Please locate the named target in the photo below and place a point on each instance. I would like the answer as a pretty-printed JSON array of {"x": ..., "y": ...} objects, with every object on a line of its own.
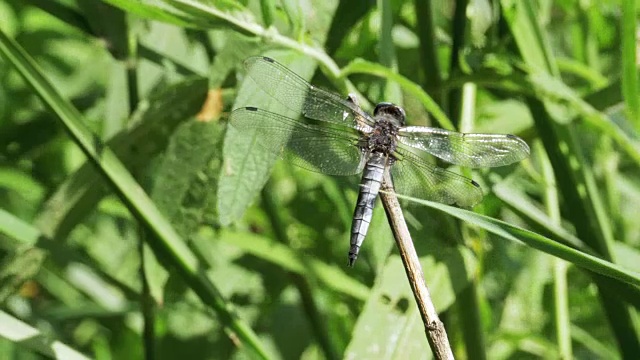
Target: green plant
[{"x": 103, "y": 102}]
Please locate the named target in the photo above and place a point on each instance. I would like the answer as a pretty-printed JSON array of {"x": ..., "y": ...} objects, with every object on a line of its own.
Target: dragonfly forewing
[
  {"x": 298, "y": 95},
  {"x": 317, "y": 148},
  {"x": 471, "y": 150}
]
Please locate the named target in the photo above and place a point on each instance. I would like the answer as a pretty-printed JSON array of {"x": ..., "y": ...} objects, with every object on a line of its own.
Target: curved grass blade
[
  {"x": 536, "y": 241},
  {"x": 360, "y": 66}
]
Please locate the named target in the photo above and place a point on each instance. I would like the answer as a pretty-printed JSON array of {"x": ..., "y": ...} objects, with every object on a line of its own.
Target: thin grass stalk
[
  {"x": 561, "y": 317},
  {"x": 387, "y": 57},
  {"x": 468, "y": 301},
  {"x": 430, "y": 75},
  {"x": 560, "y": 288},
  {"x": 458, "y": 31},
  {"x": 433, "y": 327},
  {"x": 468, "y": 306},
  {"x": 147, "y": 302},
  {"x": 630, "y": 87}
]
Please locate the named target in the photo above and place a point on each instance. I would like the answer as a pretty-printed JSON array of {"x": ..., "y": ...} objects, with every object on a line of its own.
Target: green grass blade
[
  {"x": 458, "y": 34},
  {"x": 158, "y": 13},
  {"x": 165, "y": 240},
  {"x": 282, "y": 255},
  {"x": 536, "y": 241},
  {"x": 630, "y": 87},
  {"x": 17, "y": 230},
  {"x": 360, "y": 66},
  {"x": 429, "y": 74},
  {"x": 21, "y": 333},
  {"x": 387, "y": 52},
  {"x": 536, "y": 219}
]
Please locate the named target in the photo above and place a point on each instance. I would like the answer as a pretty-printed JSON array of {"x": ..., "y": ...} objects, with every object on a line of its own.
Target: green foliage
[{"x": 234, "y": 254}]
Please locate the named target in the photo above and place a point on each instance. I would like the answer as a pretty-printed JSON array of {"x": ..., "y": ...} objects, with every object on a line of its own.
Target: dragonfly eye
[{"x": 393, "y": 110}]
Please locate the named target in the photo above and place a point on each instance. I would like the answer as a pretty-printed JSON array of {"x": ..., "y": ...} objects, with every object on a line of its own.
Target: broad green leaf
[
  {"x": 185, "y": 182},
  {"x": 17, "y": 270},
  {"x": 224, "y": 14}
]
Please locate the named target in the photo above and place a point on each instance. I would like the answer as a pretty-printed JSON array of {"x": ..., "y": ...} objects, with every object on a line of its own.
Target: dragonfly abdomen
[{"x": 369, "y": 188}]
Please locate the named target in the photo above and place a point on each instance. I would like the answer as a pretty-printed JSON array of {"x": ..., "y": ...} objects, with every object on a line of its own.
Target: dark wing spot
[
  {"x": 251, "y": 108},
  {"x": 512, "y": 136},
  {"x": 268, "y": 59},
  {"x": 475, "y": 184}
]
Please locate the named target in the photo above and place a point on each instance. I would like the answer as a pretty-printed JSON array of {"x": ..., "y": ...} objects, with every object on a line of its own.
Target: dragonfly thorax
[{"x": 383, "y": 138}]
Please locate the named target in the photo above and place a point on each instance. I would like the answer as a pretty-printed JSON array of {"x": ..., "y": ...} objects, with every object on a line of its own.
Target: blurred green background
[{"x": 126, "y": 230}]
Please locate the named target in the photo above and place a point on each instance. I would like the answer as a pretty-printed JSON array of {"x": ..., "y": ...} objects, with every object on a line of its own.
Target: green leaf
[
  {"x": 186, "y": 180},
  {"x": 18, "y": 269}
]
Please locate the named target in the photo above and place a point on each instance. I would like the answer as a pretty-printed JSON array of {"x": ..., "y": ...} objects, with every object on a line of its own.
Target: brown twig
[{"x": 434, "y": 328}]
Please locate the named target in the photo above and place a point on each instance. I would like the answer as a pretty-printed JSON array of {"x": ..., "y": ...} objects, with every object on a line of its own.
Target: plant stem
[
  {"x": 430, "y": 65},
  {"x": 434, "y": 328}
]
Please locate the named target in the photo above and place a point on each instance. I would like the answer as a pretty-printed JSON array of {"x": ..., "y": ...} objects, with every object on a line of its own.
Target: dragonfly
[{"x": 331, "y": 134}]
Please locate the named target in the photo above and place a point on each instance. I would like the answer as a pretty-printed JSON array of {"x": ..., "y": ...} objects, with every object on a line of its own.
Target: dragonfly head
[{"x": 393, "y": 111}]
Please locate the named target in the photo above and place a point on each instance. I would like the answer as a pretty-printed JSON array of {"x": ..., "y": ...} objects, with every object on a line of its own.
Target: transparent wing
[
  {"x": 316, "y": 148},
  {"x": 296, "y": 94},
  {"x": 415, "y": 177},
  {"x": 471, "y": 150}
]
